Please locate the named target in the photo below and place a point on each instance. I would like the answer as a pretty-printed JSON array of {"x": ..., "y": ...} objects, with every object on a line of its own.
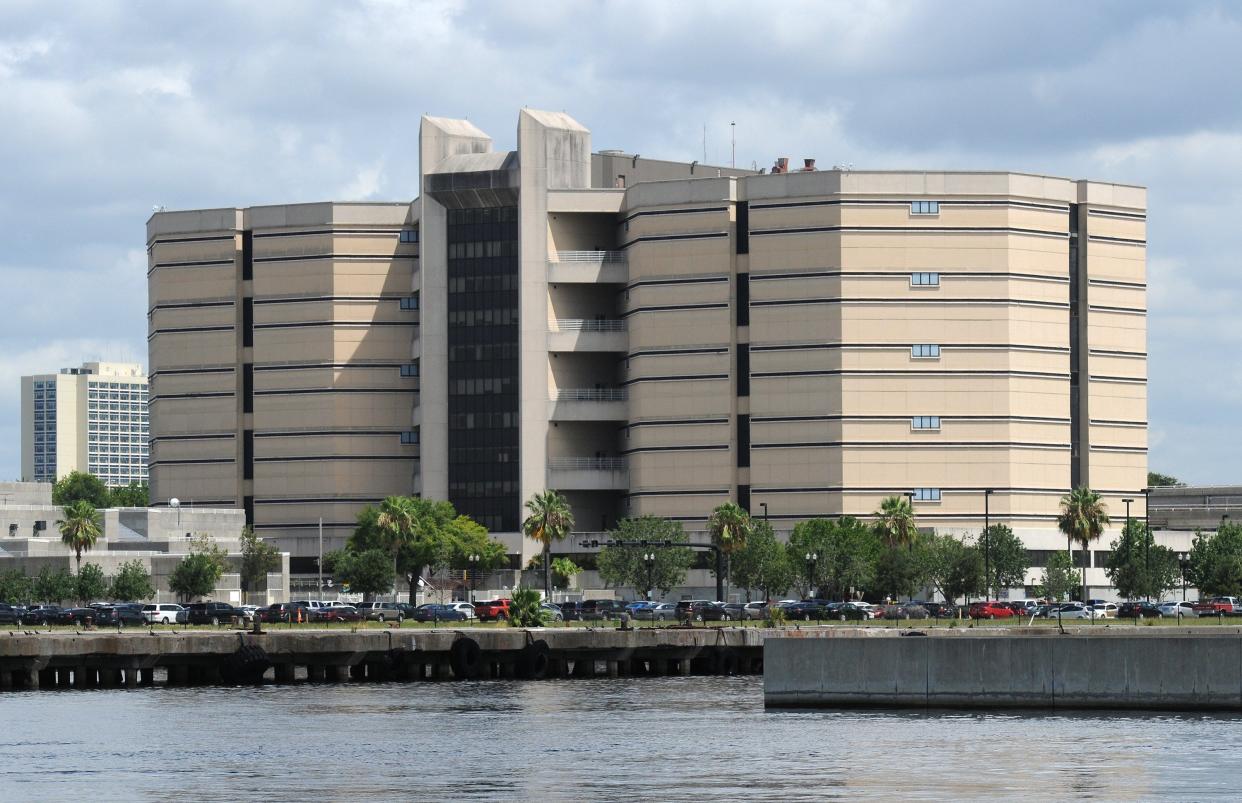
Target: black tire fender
[
  {"x": 246, "y": 665},
  {"x": 534, "y": 660},
  {"x": 466, "y": 658}
]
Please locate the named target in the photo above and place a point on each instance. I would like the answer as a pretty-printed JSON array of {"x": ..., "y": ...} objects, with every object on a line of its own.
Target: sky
[{"x": 108, "y": 109}]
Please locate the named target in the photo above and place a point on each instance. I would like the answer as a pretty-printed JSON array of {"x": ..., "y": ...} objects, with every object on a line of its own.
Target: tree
[
  {"x": 1157, "y": 480},
  {"x": 624, "y": 565},
  {"x": 763, "y": 563},
  {"x": 895, "y": 522},
  {"x": 1005, "y": 558},
  {"x": 1058, "y": 578},
  {"x": 81, "y": 528},
  {"x": 1083, "y": 518},
  {"x": 1139, "y": 567},
  {"x": 953, "y": 568},
  {"x": 898, "y": 571},
  {"x": 550, "y": 520},
  {"x": 195, "y": 575},
  {"x": 136, "y": 494},
  {"x": 526, "y": 608},
  {"x": 729, "y": 526},
  {"x": 564, "y": 571},
  {"x": 257, "y": 559},
  {"x": 132, "y": 582},
  {"x": 398, "y": 521},
  {"x": 79, "y": 486},
  {"x": 55, "y": 586},
  {"x": 845, "y": 550},
  {"x": 16, "y": 587},
  {"x": 369, "y": 572},
  {"x": 91, "y": 584},
  {"x": 1216, "y": 561}
]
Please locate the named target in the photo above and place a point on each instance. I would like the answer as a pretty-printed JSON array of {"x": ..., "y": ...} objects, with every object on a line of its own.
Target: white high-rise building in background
[{"x": 92, "y": 418}]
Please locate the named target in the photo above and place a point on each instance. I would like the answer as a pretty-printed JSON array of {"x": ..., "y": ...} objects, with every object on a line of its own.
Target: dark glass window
[
  {"x": 247, "y": 255},
  {"x": 743, "y": 441},
  {"x": 743, "y": 369},
  {"x": 743, "y": 227},
  {"x": 248, "y": 454},
  {"x": 483, "y": 365},
  {"x": 248, "y": 507},
  {"x": 743, "y": 497},
  {"x": 743, "y": 299},
  {"x": 248, "y": 387},
  {"x": 247, "y": 321}
]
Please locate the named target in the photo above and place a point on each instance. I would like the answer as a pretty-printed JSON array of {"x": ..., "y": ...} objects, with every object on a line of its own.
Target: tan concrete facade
[
  {"x": 91, "y": 418},
  {"x": 663, "y": 337}
]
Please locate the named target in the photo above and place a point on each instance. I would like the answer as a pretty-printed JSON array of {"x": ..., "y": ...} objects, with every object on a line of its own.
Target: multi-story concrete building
[
  {"x": 654, "y": 337},
  {"x": 91, "y": 418}
]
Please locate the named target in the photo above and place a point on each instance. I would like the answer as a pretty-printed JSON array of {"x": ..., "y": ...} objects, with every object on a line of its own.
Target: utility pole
[
  {"x": 319, "y": 563},
  {"x": 732, "y": 144},
  {"x": 987, "y": 545}
]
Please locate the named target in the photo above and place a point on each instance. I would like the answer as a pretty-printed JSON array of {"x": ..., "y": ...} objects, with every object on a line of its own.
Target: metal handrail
[
  {"x": 588, "y": 325},
  {"x": 587, "y": 463},
  {"x": 591, "y": 394},
  {"x": 588, "y": 256}
]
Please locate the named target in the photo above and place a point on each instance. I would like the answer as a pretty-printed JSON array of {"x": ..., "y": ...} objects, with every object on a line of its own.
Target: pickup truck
[
  {"x": 211, "y": 613},
  {"x": 1217, "y": 606},
  {"x": 493, "y": 610}
]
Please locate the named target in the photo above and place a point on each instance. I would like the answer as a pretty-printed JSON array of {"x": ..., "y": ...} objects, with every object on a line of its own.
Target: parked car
[
  {"x": 339, "y": 613},
  {"x": 551, "y": 613},
  {"x": 1172, "y": 607},
  {"x": 1139, "y": 610},
  {"x": 1217, "y": 606},
  {"x": 277, "y": 612},
  {"x": 121, "y": 616},
  {"x": 848, "y": 611},
  {"x": 9, "y": 615},
  {"x": 211, "y": 613},
  {"x": 660, "y": 612},
  {"x": 806, "y": 610},
  {"x": 380, "y": 611},
  {"x": 569, "y": 609},
  {"x": 1105, "y": 610},
  {"x": 632, "y": 608},
  {"x": 989, "y": 610},
  {"x": 434, "y": 612},
  {"x": 42, "y": 615},
  {"x": 466, "y": 608},
  {"x": 715, "y": 612},
  {"x": 939, "y": 610},
  {"x": 495, "y": 610},
  {"x": 1074, "y": 610},
  {"x": 77, "y": 616},
  {"x": 591, "y": 609},
  {"x": 163, "y": 613}
]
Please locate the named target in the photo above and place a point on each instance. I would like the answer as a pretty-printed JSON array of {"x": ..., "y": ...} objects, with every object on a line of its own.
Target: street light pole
[
  {"x": 474, "y": 571},
  {"x": 764, "y": 505},
  {"x": 1147, "y": 538},
  {"x": 1126, "y": 527},
  {"x": 811, "y": 560},
  {"x": 987, "y": 544}
]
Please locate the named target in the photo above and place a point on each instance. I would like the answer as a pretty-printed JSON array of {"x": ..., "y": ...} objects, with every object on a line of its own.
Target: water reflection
[{"x": 639, "y": 739}]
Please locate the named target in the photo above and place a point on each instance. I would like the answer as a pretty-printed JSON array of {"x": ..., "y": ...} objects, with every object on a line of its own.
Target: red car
[
  {"x": 496, "y": 610},
  {"x": 338, "y": 613},
  {"x": 990, "y": 610}
]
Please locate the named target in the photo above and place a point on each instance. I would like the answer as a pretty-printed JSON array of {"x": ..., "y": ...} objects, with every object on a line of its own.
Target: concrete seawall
[{"x": 1124, "y": 668}]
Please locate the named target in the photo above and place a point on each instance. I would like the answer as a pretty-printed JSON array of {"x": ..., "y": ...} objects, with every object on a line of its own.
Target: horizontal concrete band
[{"x": 1125, "y": 670}]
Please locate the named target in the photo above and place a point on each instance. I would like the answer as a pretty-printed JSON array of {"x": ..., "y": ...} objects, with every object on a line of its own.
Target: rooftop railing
[
  {"x": 588, "y": 325},
  {"x": 594, "y": 257},
  {"x": 586, "y": 463},
  {"x": 592, "y": 394}
]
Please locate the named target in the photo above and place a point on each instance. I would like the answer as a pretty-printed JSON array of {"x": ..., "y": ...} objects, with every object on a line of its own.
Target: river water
[{"x": 648, "y": 739}]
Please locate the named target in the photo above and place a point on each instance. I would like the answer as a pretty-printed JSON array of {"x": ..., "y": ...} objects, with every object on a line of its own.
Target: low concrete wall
[{"x": 1134, "y": 669}]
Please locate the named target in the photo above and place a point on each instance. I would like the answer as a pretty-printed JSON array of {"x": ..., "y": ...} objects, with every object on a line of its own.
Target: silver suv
[{"x": 380, "y": 611}]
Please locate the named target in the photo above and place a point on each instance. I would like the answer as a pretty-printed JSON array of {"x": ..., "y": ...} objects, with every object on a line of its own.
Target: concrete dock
[
  {"x": 144, "y": 658},
  {"x": 1119, "y": 667}
]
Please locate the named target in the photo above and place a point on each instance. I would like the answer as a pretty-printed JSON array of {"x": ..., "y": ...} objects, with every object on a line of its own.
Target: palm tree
[
  {"x": 550, "y": 520},
  {"x": 729, "y": 526},
  {"x": 398, "y": 520},
  {"x": 1083, "y": 518},
  {"x": 80, "y": 529},
  {"x": 895, "y": 522}
]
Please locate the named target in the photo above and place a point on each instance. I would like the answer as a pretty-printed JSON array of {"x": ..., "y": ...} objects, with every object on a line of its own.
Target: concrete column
[
  {"x": 109, "y": 678},
  {"x": 6, "y": 679},
  {"x": 337, "y": 673},
  {"x": 131, "y": 677},
  {"x": 358, "y": 672},
  {"x": 316, "y": 673},
  {"x": 179, "y": 675},
  {"x": 443, "y": 670},
  {"x": 64, "y": 677},
  {"x": 614, "y": 669},
  {"x": 284, "y": 673},
  {"x": 584, "y": 668},
  {"x": 683, "y": 666},
  {"x": 32, "y": 678},
  {"x": 146, "y": 677},
  {"x": 47, "y": 678}
]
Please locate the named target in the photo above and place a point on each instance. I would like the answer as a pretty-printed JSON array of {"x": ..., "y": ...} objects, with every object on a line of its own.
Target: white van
[{"x": 164, "y": 613}]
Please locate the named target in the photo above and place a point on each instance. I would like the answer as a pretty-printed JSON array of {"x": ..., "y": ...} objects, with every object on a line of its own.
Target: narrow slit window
[
  {"x": 924, "y": 207},
  {"x": 925, "y": 279}
]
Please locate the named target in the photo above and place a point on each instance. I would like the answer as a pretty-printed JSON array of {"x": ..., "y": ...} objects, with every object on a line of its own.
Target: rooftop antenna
[
  {"x": 732, "y": 144},
  {"x": 704, "y": 142}
]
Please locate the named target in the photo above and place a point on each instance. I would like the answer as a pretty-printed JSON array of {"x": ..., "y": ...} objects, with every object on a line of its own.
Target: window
[
  {"x": 925, "y": 422},
  {"x": 410, "y": 438},
  {"x": 925, "y": 279},
  {"x": 924, "y": 207},
  {"x": 409, "y": 302},
  {"x": 743, "y": 227},
  {"x": 409, "y": 235},
  {"x": 247, "y": 322},
  {"x": 743, "y": 369},
  {"x": 743, "y": 441},
  {"x": 743, "y": 299},
  {"x": 926, "y": 494},
  {"x": 925, "y": 351},
  {"x": 409, "y": 369}
]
